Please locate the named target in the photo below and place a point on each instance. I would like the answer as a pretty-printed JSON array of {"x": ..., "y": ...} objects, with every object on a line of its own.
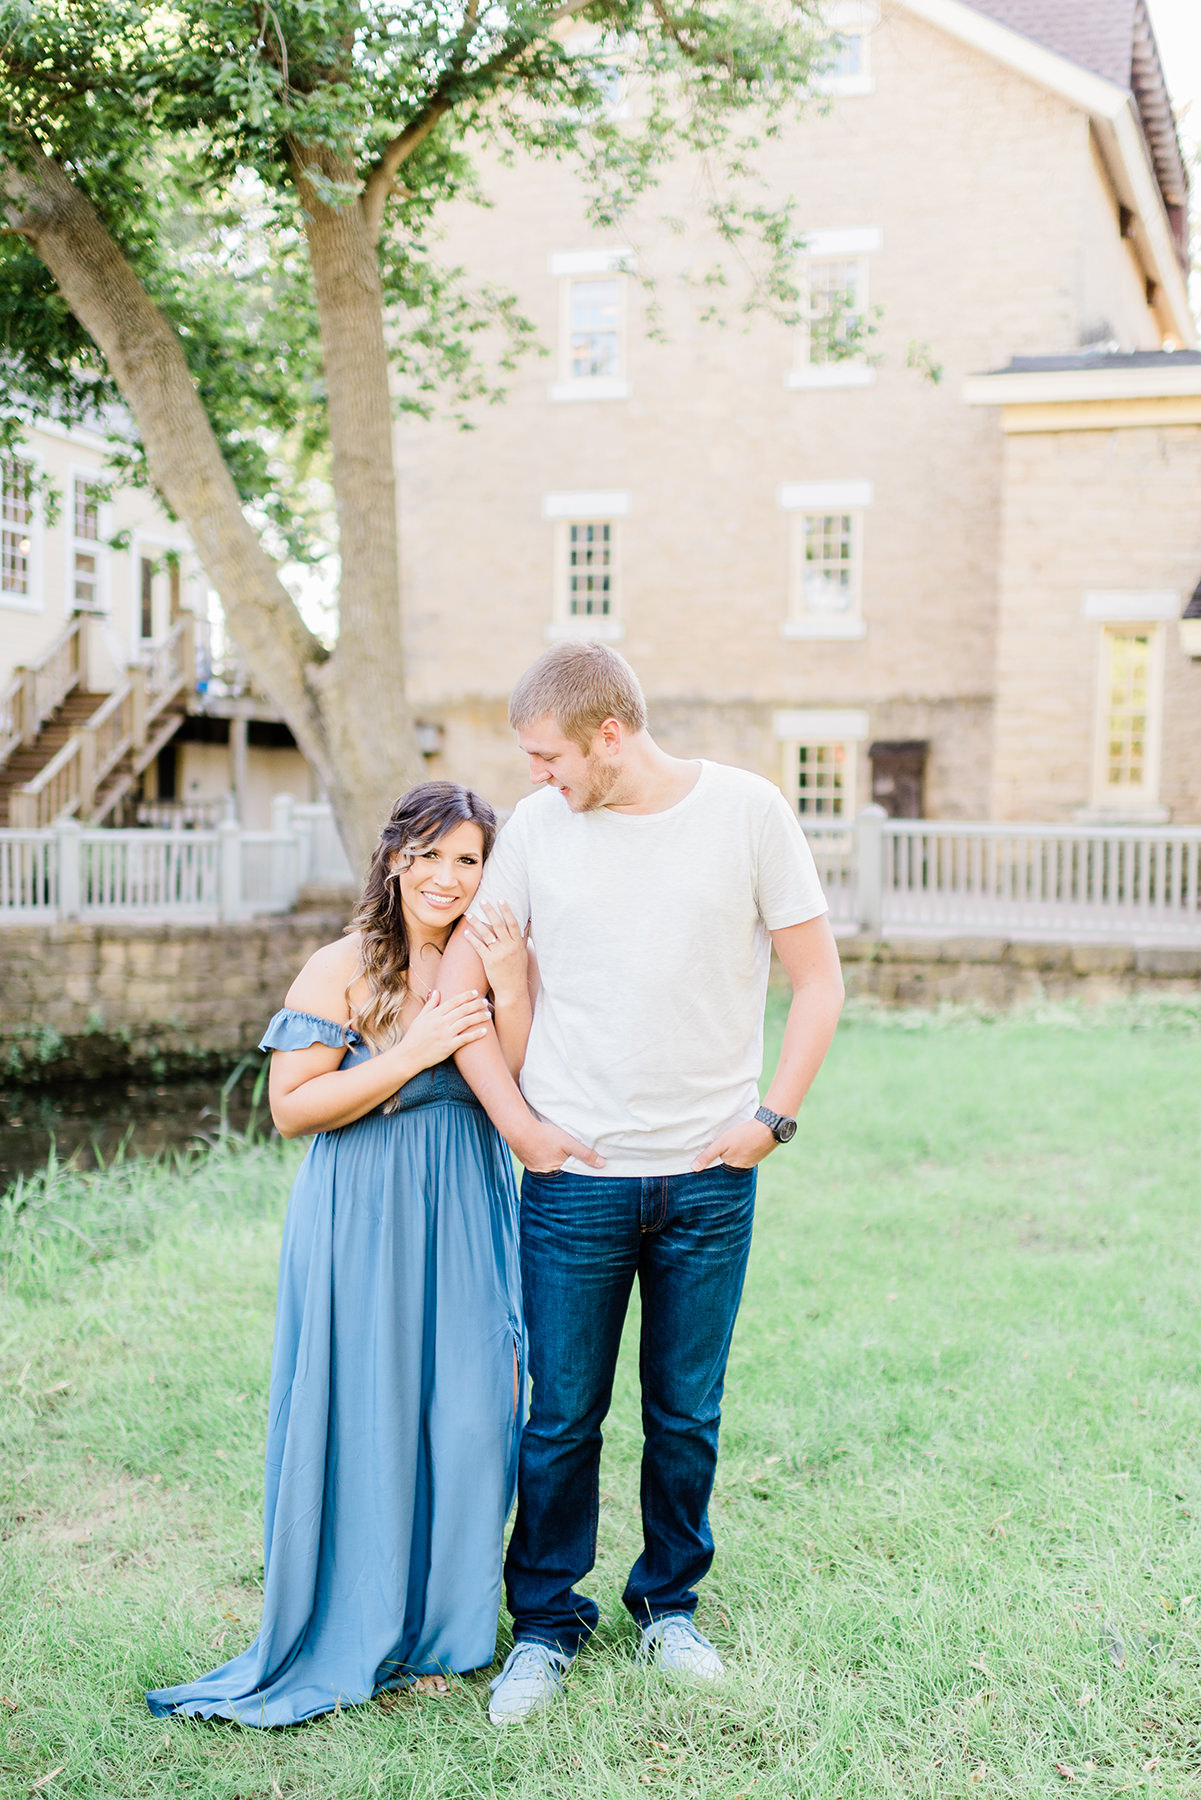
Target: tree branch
[{"x": 378, "y": 185}]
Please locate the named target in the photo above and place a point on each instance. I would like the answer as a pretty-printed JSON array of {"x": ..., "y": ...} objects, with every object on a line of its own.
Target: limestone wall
[
  {"x": 999, "y": 237},
  {"x": 84, "y": 1001},
  {"x": 95, "y": 1000}
]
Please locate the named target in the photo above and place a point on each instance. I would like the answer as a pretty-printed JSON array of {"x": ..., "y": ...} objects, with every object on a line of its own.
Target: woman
[{"x": 399, "y": 1356}]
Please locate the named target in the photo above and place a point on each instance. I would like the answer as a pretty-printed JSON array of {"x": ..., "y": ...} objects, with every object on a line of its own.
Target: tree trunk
[
  {"x": 346, "y": 711},
  {"x": 362, "y": 685}
]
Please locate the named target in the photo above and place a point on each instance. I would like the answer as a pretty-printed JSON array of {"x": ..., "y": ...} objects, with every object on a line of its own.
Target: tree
[{"x": 221, "y": 213}]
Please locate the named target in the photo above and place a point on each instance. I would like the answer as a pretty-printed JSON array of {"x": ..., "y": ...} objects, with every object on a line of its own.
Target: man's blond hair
[{"x": 579, "y": 685}]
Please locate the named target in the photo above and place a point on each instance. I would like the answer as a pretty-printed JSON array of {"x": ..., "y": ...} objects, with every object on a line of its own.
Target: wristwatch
[{"x": 782, "y": 1128}]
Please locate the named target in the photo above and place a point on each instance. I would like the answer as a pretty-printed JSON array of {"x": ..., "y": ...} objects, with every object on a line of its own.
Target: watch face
[{"x": 786, "y": 1130}]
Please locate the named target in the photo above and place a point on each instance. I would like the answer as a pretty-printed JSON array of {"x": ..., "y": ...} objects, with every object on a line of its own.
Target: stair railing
[
  {"x": 68, "y": 785},
  {"x": 35, "y": 692}
]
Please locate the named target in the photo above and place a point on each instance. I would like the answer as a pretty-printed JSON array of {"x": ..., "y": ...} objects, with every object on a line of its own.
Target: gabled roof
[
  {"x": 1063, "y": 46},
  {"x": 1096, "y": 34},
  {"x": 1113, "y": 39}
]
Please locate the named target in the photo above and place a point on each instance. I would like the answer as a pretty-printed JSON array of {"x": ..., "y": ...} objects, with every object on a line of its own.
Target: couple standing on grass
[{"x": 623, "y": 924}]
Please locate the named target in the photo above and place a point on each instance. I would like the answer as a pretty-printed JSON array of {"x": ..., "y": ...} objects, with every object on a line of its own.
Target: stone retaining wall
[
  {"x": 81, "y": 1001},
  {"x": 999, "y": 972}
]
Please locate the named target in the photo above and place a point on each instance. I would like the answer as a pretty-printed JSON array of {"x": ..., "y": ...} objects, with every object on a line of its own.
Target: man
[{"x": 653, "y": 889}]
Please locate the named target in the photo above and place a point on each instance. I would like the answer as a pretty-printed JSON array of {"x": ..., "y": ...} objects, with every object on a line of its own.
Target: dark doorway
[{"x": 899, "y": 777}]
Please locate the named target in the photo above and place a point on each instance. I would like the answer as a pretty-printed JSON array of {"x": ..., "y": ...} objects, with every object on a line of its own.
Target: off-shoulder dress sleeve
[{"x": 292, "y": 1030}]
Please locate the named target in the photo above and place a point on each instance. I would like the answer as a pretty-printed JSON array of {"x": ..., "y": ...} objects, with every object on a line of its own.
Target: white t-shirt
[{"x": 652, "y": 937}]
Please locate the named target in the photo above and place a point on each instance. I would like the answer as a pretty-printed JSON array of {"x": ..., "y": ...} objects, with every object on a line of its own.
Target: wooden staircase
[
  {"x": 30, "y": 759},
  {"x": 68, "y": 753}
]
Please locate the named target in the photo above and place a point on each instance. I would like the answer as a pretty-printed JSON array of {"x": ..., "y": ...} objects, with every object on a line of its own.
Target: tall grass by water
[{"x": 957, "y": 1510}]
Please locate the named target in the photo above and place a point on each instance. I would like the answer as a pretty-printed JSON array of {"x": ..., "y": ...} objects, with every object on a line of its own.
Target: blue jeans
[{"x": 584, "y": 1239}]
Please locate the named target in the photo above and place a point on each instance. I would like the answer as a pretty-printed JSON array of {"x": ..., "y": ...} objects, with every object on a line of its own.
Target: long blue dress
[{"x": 392, "y": 1434}]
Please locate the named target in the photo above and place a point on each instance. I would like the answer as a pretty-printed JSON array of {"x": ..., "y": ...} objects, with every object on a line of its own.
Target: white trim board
[
  {"x": 1130, "y": 606},
  {"x": 821, "y": 725},
  {"x": 590, "y": 262},
  {"x": 589, "y": 387},
  {"x": 855, "y": 240},
  {"x": 588, "y": 504},
  {"x": 1035, "y": 387},
  {"x": 801, "y": 496}
]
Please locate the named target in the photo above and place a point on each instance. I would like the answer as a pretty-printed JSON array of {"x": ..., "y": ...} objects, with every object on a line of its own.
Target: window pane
[
  {"x": 87, "y": 587},
  {"x": 16, "y": 493},
  {"x": 821, "y": 785},
  {"x": 844, "y": 55},
  {"x": 87, "y": 509},
  {"x": 594, "y": 328},
  {"x": 827, "y": 580},
  {"x": 14, "y": 562},
  {"x": 831, "y": 302},
  {"x": 1126, "y": 715},
  {"x": 147, "y": 626},
  {"x": 590, "y": 570}
]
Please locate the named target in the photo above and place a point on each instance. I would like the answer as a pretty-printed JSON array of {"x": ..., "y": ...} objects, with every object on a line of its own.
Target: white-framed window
[
  {"x": 20, "y": 574},
  {"x": 87, "y": 588},
  {"x": 592, "y": 324},
  {"x": 826, "y": 529},
  {"x": 156, "y": 597},
  {"x": 832, "y": 273},
  {"x": 846, "y": 63},
  {"x": 587, "y": 564},
  {"x": 1128, "y": 718},
  {"x": 820, "y": 757}
]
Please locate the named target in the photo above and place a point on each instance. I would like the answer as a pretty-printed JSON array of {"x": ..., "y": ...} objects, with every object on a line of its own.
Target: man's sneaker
[
  {"x": 674, "y": 1645},
  {"x": 532, "y": 1675}
]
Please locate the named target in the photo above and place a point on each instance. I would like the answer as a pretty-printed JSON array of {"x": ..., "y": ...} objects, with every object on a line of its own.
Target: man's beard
[{"x": 602, "y": 779}]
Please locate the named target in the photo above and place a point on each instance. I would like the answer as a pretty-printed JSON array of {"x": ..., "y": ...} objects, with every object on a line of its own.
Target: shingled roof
[{"x": 1113, "y": 39}]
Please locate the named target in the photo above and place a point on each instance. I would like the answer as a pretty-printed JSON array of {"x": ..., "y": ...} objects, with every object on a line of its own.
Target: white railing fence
[
  {"x": 915, "y": 877},
  {"x": 927, "y": 877},
  {"x": 68, "y": 871}
]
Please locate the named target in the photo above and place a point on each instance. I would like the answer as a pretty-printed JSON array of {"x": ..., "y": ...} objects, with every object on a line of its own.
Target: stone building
[{"x": 947, "y": 570}]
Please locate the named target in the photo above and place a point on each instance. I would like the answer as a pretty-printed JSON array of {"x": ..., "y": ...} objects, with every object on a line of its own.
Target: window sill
[
  {"x": 833, "y": 375},
  {"x": 844, "y": 84},
  {"x": 605, "y": 631},
  {"x": 21, "y": 603},
  {"x": 601, "y": 387},
  {"x": 1114, "y": 812},
  {"x": 836, "y": 625}
]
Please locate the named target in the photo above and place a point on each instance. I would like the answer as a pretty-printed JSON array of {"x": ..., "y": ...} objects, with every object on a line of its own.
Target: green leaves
[{"x": 200, "y": 128}]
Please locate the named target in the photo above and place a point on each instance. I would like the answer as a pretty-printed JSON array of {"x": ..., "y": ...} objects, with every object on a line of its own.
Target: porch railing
[
  {"x": 925, "y": 877},
  {"x": 71, "y": 872},
  {"x": 898, "y": 877}
]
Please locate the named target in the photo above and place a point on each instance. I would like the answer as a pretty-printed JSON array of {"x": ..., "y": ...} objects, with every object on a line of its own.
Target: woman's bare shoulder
[{"x": 321, "y": 985}]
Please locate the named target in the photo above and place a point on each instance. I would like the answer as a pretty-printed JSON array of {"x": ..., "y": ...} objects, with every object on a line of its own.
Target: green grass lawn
[{"x": 959, "y": 1549}]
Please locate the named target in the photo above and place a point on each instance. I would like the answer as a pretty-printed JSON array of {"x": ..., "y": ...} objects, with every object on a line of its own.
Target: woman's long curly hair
[{"x": 420, "y": 818}]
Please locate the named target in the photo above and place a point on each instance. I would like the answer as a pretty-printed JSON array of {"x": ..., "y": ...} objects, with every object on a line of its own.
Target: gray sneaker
[
  {"x": 674, "y": 1645},
  {"x": 532, "y": 1675}
]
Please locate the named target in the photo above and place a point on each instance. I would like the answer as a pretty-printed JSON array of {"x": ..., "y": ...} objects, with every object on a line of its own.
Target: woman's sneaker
[
  {"x": 532, "y": 1675},
  {"x": 674, "y": 1645}
]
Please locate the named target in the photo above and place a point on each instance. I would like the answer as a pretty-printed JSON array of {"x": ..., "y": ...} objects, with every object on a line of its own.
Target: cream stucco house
[
  {"x": 947, "y": 572},
  {"x": 112, "y": 706}
]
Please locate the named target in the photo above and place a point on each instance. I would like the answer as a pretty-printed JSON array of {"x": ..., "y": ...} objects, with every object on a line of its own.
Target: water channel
[{"x": 97, "y": 1120}]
